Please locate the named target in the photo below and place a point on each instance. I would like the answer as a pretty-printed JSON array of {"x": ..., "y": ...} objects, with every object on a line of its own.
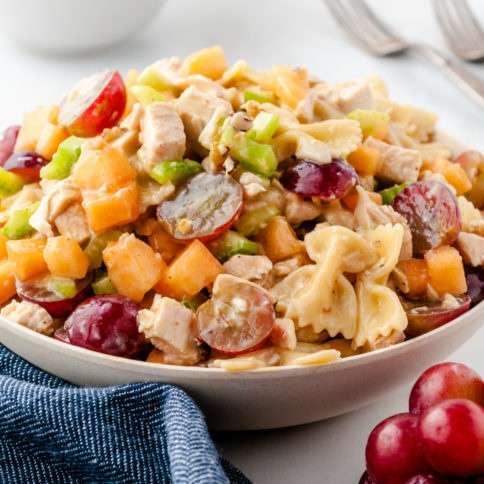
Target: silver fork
[
  {"x": 367, "y": 30},
  {"x": 460, "y": 28}
]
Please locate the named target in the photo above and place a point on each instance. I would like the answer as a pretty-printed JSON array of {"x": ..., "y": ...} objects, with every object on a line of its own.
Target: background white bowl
[
  {"x": 74, "y": 26},
  {"x": 258, "y": 399}
]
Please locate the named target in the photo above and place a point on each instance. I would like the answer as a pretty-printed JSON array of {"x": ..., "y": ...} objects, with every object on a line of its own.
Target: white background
[{"x": 265, "y": 33}]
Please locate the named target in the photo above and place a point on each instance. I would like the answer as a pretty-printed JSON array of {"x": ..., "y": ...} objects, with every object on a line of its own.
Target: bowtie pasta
[{"x": 193, "y": 213}]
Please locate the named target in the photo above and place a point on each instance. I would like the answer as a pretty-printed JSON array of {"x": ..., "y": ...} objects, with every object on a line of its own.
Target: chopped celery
[
  {"x": 146, "y": 94},
  {"x": 96, "y": 245},
  {"x": 253, "y": 156},
  {"x": 249, "y": 223},
  {"x": 65, "y": 286},
  {"x": 263, "y": 127},
  {"x": 260, "y": 96},
  {"x": 10, "y": 183},
  {"x": 388, "y": 194},
  {"x": 231, "y": 243},
  {"x": 175, "y": 171},
  {"x": 150, "y": 77},
  {"x": 370, "y": 120},
  {"x": 102, "y": 284},
  {"x": 18, "y": 225},
  {"x": 193, "y": 302},
  {"x": 61, "y": 164}
]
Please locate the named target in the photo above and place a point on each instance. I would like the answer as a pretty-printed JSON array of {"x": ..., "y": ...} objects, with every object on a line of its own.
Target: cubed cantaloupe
[
  {"x": 50, "y": 137},
  {"x": 106, "y": 210},
  {"x": 365, "y": 160},
  {"x": 32, "y": 125},
  {"x": 291, "y": 85},
  {"x": 209, "y": 62},
  {"x": 65, "y": 258},
  {"x": 446, "y": 270},
  {"x": 192, "y": 269},
  {"x": 133, "y": 266},
  {"x": 102, "y": 166},
  {"x": 7, "y": 281},
  {"x": 27, "y": 257},
  {"x": 279, "y": 240},
  {"x": 162, "y": 243},
  {"x": 412, "y": 276},
  {"x": 454, "y": 174}
]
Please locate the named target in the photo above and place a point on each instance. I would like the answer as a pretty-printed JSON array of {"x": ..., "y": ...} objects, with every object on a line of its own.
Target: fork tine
[
  {"x": 460, "y": 28},
  {"x": 359, "y": 22}
]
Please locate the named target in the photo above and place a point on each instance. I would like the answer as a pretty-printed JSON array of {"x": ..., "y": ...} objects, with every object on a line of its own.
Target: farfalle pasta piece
[
  {"x": 320, "y": 142},
  {"x": 380, "y": 313},
  {"x": 320, "y": 295}
]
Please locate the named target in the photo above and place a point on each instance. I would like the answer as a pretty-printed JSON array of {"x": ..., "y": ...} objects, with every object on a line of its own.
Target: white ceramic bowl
[
  {"x": 74, "y": 26},
  {"x": 257, "y": 399}
]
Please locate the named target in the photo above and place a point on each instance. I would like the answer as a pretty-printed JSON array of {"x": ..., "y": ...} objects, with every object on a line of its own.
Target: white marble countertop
[{"x": 266, "y": 33}]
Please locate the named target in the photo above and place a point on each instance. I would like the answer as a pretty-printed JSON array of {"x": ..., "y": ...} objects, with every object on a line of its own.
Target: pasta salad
[{"x": 193, "y": 213}]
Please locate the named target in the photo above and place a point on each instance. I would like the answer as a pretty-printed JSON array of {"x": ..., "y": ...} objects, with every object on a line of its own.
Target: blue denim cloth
[{"x": 54, "y": 432}]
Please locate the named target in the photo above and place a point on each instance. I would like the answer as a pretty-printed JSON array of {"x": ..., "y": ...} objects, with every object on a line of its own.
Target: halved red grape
[
  {"x": 475, "y": 284},
  {"x": 95, "y": 103},
  {"x": 432, "y": 213},
  {"x": 329, "y": 181},
  {"x": 238, "y": 318},
  {"x": 203, "y": 208},
  {"x": 107, "y": 324},
  {"x": 7, "y": 142},
  {"x": 424, "y": 316},
  {"x": 25, "y": 163},
  {"x": 40, "y": 291}
]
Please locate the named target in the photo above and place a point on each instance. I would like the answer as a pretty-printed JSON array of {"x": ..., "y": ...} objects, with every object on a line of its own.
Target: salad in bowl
[{"x": 199, "y": 215}]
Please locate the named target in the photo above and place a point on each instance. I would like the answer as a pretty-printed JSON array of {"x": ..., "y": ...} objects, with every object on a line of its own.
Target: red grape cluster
[{"x": 440, "y": 440}]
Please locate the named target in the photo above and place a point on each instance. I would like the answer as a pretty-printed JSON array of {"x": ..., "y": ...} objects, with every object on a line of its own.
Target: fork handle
[{"x": 470, "y": 84}]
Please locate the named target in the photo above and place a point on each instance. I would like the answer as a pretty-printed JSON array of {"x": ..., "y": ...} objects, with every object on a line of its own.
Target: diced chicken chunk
[
  {"x": 73, "y": 223},
  {"x": 171, "y": 327},
  {"x": 162, "y": 134},
  {"x": 369, "y": 214},
  {"x": 350, "y": 95},
  {"x": 397, "y": 164},
  {"x": 471, "y": 248},
  {"x": 30, "y": 315},
  {"x": 250, "y": 267},
  {"x": 196, "y": 109},
  {"x": 284, "y": 334},
  {"x": 56, "y": 201}
]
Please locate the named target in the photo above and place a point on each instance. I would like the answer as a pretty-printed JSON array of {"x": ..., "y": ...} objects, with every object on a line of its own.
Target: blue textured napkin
[{"x": 54, "y": 432}]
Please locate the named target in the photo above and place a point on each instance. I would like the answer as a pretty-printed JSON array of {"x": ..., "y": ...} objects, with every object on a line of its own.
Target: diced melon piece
[
  {"x": 133, "y": 266},
  {"x": 192, "y": 269},
  {"x": 278, "y": 239},
  {"x": 412, "y": 277},
  {"x": 32, "y": 125},
  {"x": 365, "y": 160},
  {"x": 290, "y": 85},
  {"x": 7, "y": 281},
  {"x": 209, "y": 62},
  {"x": 106, "y": 210},
  {"x": 65, "y": 258},
  {"x": 446, "y": 270},
  {"x": 27, "y": 257},
  {"x": 129, "y": 81},
  {"x": 102, "y": 166},
  {"x": 3, "y": 246},
  {"x": 162, "y": 243},
  {"x": 50, "y": 137},
  {"x": 452, "y": 172}
]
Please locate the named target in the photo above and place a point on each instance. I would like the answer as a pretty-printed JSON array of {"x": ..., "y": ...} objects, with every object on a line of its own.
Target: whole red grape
[
  {"x": 451, "y": 436},
  {"x": 392, "y": 451}
]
